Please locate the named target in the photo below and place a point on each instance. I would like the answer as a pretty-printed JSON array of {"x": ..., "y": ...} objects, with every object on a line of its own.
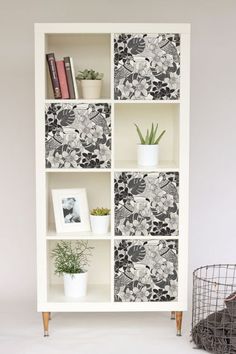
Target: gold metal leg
[
  {"x": 46, "y": 317},
  {"x": 172, "y": 315},
  {"x": 179, "y": 317}
]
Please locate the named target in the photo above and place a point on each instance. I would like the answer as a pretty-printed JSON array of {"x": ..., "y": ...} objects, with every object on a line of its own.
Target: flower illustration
[
  {"x": 140, "y": 88},
  {"x": 173, "y": 221},
  {"x": 70, "y": 158},
  {"x": 126, "y": 89},
  {"x": 172, "y": 288},
  {"x": 127, "y": 228},
  {"x": 141, "y": 228},
  {"x": 103, "y": 153},
  {"x": 141, "y": 294},
  {"x": 173, "y": 81},
  {"x": 55, "y": 160}
]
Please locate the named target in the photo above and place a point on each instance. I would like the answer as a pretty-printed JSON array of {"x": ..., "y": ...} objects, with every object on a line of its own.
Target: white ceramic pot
[
  {"x": 100, "y": 224},
  {"x": 75, "y": 285},
  {"x": 91, "y": 89},
  {"x": 148, "y": 155}
]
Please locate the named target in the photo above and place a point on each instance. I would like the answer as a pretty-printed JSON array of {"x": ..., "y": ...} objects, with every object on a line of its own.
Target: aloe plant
[
  {"x": 100, "y": 211},
  {"x": 151, "y": 137},
  {"x": 89, "y": 75}
]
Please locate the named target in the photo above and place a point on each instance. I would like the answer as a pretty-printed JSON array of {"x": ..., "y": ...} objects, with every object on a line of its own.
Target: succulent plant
[
  {"x": 89, "y": 75},
  {"x": 100, "y": 211},
  {"x": 151, "y": 137}
]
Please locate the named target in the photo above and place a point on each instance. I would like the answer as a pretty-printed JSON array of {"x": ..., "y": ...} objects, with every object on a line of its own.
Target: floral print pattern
[
  {"x": 146, "y": 66},
  {"x": 78, "y": 135},
  {"x": 146, "y": 203},
  {"x": 146, "y": 270}
]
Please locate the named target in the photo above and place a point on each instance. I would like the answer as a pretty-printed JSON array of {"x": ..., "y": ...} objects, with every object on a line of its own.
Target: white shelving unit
[{"x": 92, "y": 45}]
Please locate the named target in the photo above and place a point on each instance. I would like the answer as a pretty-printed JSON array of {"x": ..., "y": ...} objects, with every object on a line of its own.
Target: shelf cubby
[
  {"x": 88, "y": 50},
  {"x": 98, "y": 188},
  {"x": 99, "y": 276},
  {"x": 143, "y": 114}
]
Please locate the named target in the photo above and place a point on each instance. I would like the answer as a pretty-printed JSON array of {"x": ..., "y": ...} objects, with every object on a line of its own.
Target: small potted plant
[
  {"x": 100, "y": 220},
  {"x": 91, "y": 83},
  {"x": 71, "y": 259},
  {"x": 148, "y": 149}
]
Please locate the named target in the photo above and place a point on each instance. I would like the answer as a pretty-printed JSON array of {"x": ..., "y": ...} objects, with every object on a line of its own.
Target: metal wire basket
[{"x": 214, "y": 308}]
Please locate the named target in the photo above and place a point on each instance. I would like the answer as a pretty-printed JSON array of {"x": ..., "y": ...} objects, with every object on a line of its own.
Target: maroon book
[
  {"x": 54, "y": 75},
  {"x": 62, "y": 78}
]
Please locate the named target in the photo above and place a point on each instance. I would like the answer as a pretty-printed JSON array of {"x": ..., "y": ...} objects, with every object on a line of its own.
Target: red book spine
[
  {"x": 62, "y": 78},
  {"x": 54, "y": 75}
]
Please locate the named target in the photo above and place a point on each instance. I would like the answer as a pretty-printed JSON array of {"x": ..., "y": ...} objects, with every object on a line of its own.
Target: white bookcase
[{"x": 92, "y": 46}]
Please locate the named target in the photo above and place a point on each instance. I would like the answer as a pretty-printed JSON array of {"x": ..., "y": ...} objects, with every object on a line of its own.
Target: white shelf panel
[
  {"x": 164, "y": 166},
  {"x": 80, "y": 100},
  {"x": 143, "y": 238},
  {"x": 148, "y": 101},
  {"x": 96, "y": 293},
  {"x": 77, "y": 170},
  {"x": 88, "y": 235}
]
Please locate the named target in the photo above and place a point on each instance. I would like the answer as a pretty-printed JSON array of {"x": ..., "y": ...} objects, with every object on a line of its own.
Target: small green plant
[
  {"x": 100, "y": 211},
  {"x": 89, "y": 75},
  {"x": 71, "y": 257},
  {"x": 151, "y": 137}
]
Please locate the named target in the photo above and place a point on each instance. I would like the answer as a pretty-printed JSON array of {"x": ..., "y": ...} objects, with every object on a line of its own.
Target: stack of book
[{"x": 62, "y": 77}]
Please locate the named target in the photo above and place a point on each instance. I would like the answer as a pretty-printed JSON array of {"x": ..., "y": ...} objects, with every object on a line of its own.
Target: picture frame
[{"x": 71, "y": 210}]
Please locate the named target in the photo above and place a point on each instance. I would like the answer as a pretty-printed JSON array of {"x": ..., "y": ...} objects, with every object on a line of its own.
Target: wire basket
[{"x": 214, "y": 308}]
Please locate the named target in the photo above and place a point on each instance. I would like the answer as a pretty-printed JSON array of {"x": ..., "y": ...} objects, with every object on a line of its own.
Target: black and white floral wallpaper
[
  {"x": 146, "y": 203},
  {"x": 147, "y": 66},
  {"x": 78, "y": 135},
  {"x": 146, "y": 270}
]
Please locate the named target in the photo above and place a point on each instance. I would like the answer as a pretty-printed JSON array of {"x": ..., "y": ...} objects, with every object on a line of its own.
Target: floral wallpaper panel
[
  {"x": 146, "y": 271},
  {"x": 146, "y": 203},
  {"x": 146, "y": 66},
  {"x": 78, "y": 135}
]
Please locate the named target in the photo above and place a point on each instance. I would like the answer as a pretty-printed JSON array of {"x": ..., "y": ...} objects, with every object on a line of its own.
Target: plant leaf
[
  {"x": 137, "y": 253},
  {"x": 159, "y": 138},
  {"x": 137, "y": 185},
  {"x": 140, "y": 135},
  {"x": 151, "y": 135},
  {"x": 147, "y": 138}
]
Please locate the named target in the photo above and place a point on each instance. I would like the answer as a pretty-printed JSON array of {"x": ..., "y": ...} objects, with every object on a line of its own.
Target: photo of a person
[{"x": 71, "y": 212}]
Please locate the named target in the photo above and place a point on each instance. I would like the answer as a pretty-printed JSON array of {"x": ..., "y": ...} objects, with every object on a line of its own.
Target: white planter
[
  {"x": 100, "y": 224},
  {"x": 75, "y": 285},
  {"x": 147, "y": 154},
  {"x": 91, "y": 89}
]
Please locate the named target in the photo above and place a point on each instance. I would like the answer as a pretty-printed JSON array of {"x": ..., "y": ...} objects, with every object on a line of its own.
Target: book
[
  {"x": 54, "y": 75},
  {"x": 73, "y": 78},
  {"x": 69, "y": 77},
  {"x": 62, "y": 78}
]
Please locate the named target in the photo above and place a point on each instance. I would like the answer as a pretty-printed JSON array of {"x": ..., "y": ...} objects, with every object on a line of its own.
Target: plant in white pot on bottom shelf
[
  {"x": 100, "y": 220},
  {"x": 71, "y": 259},
  {"x": 148, "y": 149},
  {"x": 91, "y": 83}
]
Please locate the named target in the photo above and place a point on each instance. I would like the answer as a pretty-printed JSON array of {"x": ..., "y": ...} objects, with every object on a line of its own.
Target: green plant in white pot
[
  {"x": 148, "y": 149},
  {"x": 100, "y": 220},
  {"x": 91, "y": 83},
  {"x": 71, "y": 259}
]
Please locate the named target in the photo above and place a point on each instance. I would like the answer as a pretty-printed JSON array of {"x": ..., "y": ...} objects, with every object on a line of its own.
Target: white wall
[{"x": 213, "y": 124}]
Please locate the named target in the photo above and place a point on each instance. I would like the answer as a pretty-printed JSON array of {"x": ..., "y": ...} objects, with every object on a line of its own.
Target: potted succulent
[
  {"x": 71, "y": 259},
  {"x": 91, "y": 83},
  {"x": 148, "y": 149},
  {"x": 100, "y": 220}
]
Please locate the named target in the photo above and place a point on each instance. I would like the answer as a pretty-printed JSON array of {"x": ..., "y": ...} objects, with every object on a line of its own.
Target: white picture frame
[{"x": 71, "y": 210}]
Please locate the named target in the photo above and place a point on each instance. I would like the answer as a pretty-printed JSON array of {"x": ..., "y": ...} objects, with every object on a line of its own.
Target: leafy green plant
[
  {"x": 151, "y": 137},
  {"x": 100, "y": 211},
  {"x": 71, "y": 257},
  {"x": 89, "y": 75}
]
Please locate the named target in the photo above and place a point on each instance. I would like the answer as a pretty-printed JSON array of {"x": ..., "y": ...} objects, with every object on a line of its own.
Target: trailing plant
[
  {"x": 100, "y": 211},
  {"x": 151, "y": 137},
  {"x": 71, "y": 257},
  {"x": 89, "y": 75}
]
